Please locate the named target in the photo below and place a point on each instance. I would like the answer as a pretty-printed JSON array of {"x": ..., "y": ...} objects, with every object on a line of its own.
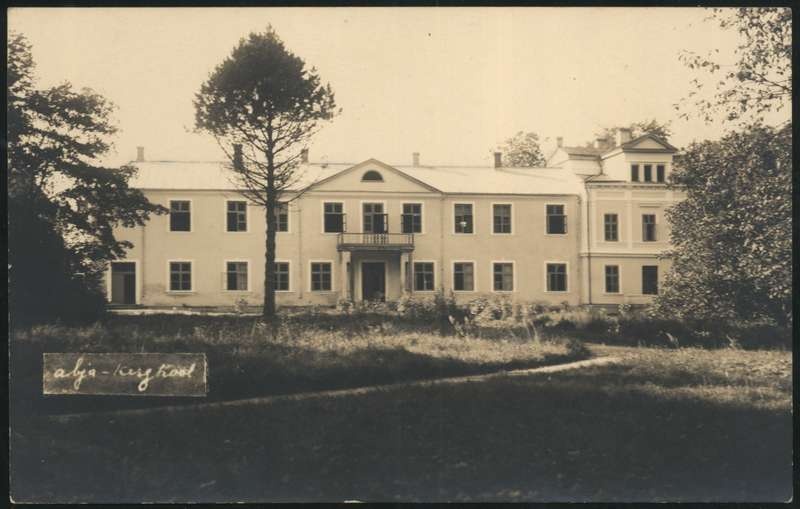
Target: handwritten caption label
[{"x": 129, "y": 374}]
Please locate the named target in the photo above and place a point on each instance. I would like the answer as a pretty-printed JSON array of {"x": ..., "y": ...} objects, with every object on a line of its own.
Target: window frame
[
  {"x": 474, "y": 276},
  {"x": 246, "y": 216},
  {"x": 311, "y": 276},
  {"x": 605, "y": 279},
  {"x": 513, "y": 275},
  {"x": 288, "y": 218},
  {"x": 647, "y": 176},
  {"x": 474, "y": 222},
  {"x": 661, "y": 173},
  {"x": 192, "y": 287},
  {"x": 655, "y": 228},
  {"x": 169, "y": 216},
  {"x": 643, "y": 280},
  {"x": 421, "y": 216},
  {"x": 635, "y": 167},
  {"x": 547, "y": 223},
  {"x": 566, "y": 276},
  {"x": 616, "y": 227},
  {"x": 361, "y": 214},
  {"x": 376, "y": 172},
  {"x": 344, "y": 217},
  {"x": 491, "y": 217},
  {"x": 289, "y": 278},
  {"x": 225, "y": 278},
  {"x": 414, "y": 276}
]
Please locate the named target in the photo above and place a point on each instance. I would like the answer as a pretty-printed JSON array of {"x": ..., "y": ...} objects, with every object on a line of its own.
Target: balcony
[{"x": 375, "y": 242}]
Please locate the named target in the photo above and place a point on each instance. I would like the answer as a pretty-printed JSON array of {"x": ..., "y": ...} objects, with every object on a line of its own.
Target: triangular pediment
[
  {"x": 649, "y": 142},
  {"x": 374, "y": 176}
]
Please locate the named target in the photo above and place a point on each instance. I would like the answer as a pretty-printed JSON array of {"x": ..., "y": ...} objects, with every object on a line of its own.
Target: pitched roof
[
  {"x": 584, "y": 151},
  {"x": 214, "y": 175}
]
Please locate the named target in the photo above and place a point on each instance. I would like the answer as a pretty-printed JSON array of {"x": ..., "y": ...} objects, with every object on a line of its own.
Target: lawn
[{"x": 664, "y": 425}]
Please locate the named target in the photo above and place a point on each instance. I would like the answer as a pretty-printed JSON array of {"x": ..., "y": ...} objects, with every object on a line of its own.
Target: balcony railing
[{"x": 375, "y": 241}]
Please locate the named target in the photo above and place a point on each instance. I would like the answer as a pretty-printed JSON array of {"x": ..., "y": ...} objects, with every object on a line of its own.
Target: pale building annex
[{"x": 586, "y": 229}]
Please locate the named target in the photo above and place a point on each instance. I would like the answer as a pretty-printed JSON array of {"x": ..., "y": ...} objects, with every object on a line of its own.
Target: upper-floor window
[
  {"x": 372, "y": 176},
  {"x": 612, "y": 278},
  {"x": 650, "y": 279},
  {"x": 503, "y": 277},
  {"x": 634, "y": 173},
  {"x": 333, "y": 219},
  {"x": 556, "y": 219},
  {"x": 412, "y": 218},
  {"x": 660, "y": 173},
  {"x": 236, "y": 276},
  {"x": 282, "y": 217},
  {"x": 374, "y": 220},
  {"x": 464, "y": 276},
  {"x": 282, "y": 276},
  {"x": 180, "y": 216},
  {"x": 556, "y": 277},
  {"x": 180, "y": 276},
  {"x": 237, "y": 216},
  {"x": 648, "y": 227},
  {"x": 611, "y": 227},
  {"x": 321, "y": 277},
  {"x": 501, "y": 222},
  {"x": 462, "y": 214},
  {"x": 648, "y": 172},
  {"x": 423, "y": 277}
]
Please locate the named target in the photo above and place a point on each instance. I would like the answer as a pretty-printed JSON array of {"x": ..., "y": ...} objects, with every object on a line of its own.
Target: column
[{"x": 346, "y": 290}]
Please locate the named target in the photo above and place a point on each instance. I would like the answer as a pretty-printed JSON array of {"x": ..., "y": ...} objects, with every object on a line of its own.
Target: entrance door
[
  {"x": 373, "y": 281},
  {"x": 123, "y": 283}
]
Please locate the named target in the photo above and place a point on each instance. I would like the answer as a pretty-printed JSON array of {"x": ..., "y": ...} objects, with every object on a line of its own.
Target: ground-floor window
[
  {"x": 423, "y": 276},
  {"x": 321, "y": 277},
  {"x": 612, "y": 278},
  {"x": 180, "y": 276},
  {"x": 556, "y": 277},
  {"x": 503, "y": 276},
  {"x": 464, "y": 276},
  {"x": 282, "y": 276},
  {"x": 236, "y": 276},
  {"x": 650, "y": 279}
]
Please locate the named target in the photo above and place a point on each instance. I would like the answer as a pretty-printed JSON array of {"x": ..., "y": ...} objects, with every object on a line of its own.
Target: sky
[{"x": 450, "y": 83}]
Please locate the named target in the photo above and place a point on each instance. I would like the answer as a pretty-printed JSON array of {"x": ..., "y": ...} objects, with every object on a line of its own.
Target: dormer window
[{"x": 372, "y": 176}]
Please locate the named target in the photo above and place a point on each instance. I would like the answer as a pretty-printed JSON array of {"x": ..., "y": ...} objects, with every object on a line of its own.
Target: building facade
[{"x": 586, "y": 229}]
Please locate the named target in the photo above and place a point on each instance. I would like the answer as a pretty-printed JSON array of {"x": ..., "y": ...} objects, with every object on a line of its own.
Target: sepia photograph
[{"x": 399, "y": 254}]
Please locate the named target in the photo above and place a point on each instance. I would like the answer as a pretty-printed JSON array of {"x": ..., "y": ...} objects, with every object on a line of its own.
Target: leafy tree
[
  {"x": 761, "y": 80},
  {"x": 62, "y": 205},
  {"x": 522, "y": 150},
  {"x": 654, "y": 127},
  {"x": 263, "y": 99},
  {"x": 732, "y": 235}
]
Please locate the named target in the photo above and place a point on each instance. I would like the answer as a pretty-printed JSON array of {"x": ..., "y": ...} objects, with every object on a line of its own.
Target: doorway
[
  {"x": 123, "y": 283},
  {"x": 373, "y": 281}
]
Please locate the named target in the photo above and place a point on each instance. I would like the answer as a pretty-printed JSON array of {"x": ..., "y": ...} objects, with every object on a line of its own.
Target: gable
[
  {"x": 380, "y": 178},
  {"x": 648, "y": 143}
]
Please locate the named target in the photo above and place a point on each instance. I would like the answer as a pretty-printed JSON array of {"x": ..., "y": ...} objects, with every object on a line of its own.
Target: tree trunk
[{"x": 269, "y": 263}]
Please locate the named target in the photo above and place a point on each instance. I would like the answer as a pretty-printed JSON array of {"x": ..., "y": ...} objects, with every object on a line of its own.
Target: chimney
[
  {"x": 559, "y": 142},
  {"x": 238, "y": 159},
  {"x": 498, "y": 159},
  {"x": 139, "y": 154},
  {"x": 304, "y": 156},
  {"x": 600, "y": 143},
  {"x": 623, "y": 136},
  {"x": 415, "y": 158}
]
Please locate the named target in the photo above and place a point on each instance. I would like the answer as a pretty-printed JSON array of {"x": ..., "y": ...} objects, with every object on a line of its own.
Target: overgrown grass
[{"x": 665, "y": 425}]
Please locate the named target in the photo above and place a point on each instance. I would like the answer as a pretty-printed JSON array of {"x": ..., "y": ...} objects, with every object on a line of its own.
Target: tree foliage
[
  {"x": 760, "y": 81},
  {"x": 522, "y": 150},
  {"x": 732, "y": 235},
  {"x": 653, "y": 126},
  {"x": 63, "y": 206},
  {"x": 263, "y": 99}
]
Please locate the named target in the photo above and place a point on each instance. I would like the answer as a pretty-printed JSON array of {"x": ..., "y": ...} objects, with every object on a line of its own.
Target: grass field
[{"x": 664, "y": 425}]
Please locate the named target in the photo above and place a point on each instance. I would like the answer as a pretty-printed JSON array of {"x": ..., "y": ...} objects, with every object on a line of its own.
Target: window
[
  {"x": 612, "y": 278},
  {"x": 282, "y": 213},
  {"x": 334, "y": 220},
  {"x": 611, "y": 227},
  {"x": 321, "y": 277},
  {"x": 556, "y": 277},
  {"x": 648, "y": 227},
  {"x": 556, "y": 220},
  {"x": 634, "y": 173},
  {"x": 180, "y": 276},
  {"x": 236, "y": 276},
  {"x": 462, "y": 213},
  {"x": 180, "y": 216},
  {"x": 650, "y": 279},
  {"x": 648, "y": 172},
  {"x": 237, "y": 216},
  {"x": 374, "y": 220},
  {"x": 502, "y": 218},
  {"x": 282, "y": 276},
  {"x": 412, "y": 218},
  {"x": 503, "y": 277},
  {"x": 660, "y": 173},
  {"x": 372, "y": 176},
  {"x": 423, "y": 276},
  {"x": 464, "y": 276}
]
